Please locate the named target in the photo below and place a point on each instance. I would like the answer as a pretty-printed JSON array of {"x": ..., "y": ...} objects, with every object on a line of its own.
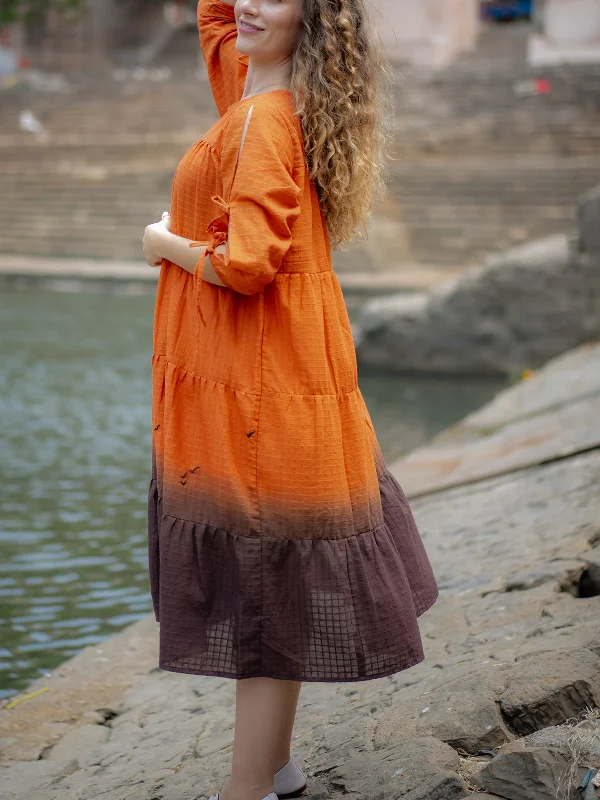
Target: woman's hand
[{"x": 154, "y": 240}]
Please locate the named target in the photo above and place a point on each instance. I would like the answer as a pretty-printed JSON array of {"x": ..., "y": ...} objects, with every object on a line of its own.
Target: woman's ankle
[{"x": 281, "y": 761}]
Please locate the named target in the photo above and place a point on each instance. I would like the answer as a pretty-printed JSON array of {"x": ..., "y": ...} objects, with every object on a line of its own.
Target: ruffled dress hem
[{"x": 306, "y": 609}]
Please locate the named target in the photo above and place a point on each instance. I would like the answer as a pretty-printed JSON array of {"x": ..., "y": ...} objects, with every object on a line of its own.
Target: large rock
[
  {"x": 465, "y": 715},
  {"x": 481, "y": 710},
  {"x": 589, "y": 585},
  {"x": 545, "y": 764},
  {"x": 582, "y": 739},
  {"x": 501, "y": 524},
  {"x": 524, "y": 307},
  {"x": 549, "y": 688},
  {"x": 463, "y": 712},
  {"x": 524, "y": 773},
  {"x": 588, "y": 217},
  {"x": 82, "y": 746}
]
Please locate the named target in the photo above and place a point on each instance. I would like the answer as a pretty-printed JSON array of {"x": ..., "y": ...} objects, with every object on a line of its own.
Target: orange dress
[{"x": 279, "y": 543}]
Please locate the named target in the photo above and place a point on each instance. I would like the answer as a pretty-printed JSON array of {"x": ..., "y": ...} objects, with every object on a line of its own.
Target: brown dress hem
[{"x": 311, "y": 610}]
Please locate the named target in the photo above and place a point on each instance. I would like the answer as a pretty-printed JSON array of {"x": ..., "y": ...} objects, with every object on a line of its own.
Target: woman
[{"x": 281, "y": 548}]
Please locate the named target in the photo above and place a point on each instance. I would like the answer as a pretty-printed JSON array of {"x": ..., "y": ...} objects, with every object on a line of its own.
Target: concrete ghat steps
[
  {"x": 480, "y": 133},
  {"x": 453, "y": 212},
  {"x": 479, "y": 166}
]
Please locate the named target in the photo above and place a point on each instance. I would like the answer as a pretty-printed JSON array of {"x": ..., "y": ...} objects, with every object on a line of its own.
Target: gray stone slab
[
  {"x": 417, "y": 770},
  {"x": 82, "y": 745},
  {"x": 591, "y": 557},
  {"x": 554, "y": 434},
  {"x": 573, "y": 376},
  {"x": 504, "y": 525},
  {"x": 463, "y": 712},
  {"x": 94, "y": 269},
  {"x": 585, "y": 736},
  {"x": 552, "y": 414},
  {"x": 97, "y": 677}
]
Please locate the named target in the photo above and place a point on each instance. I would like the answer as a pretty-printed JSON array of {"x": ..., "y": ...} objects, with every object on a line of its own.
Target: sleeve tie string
[{"x": 218, "y": 230}]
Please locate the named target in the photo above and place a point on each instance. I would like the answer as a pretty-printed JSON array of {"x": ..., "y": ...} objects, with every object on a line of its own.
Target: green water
[{"x": 75, "y": 466}]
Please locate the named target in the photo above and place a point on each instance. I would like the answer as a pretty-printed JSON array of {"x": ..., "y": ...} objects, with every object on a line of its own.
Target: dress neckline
[{"x": 262, "y": 94}]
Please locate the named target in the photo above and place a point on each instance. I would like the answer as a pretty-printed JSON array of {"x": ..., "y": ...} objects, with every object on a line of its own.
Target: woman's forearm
[{"x": 177, "y": 250}]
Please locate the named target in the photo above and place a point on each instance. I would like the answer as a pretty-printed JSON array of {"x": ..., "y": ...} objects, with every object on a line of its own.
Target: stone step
[
  {"x": 455, "y": 204},
  {"x": 107, "y": 220},
  {"x": 408, "y": 144},
  {"x": 449, "y": 251},
  {"x": 479, "y": 166},
  {"x": 460, "y": 177},
  {"x": 401, "y": 206}
]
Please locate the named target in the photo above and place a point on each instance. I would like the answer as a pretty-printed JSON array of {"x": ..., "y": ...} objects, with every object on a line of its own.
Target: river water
[{"x": 75, "y": 466}]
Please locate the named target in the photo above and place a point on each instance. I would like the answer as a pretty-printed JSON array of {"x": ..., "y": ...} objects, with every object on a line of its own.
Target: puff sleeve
[
  {"x": 226, "y": 67},
  {"x": 264, "y": 202}
]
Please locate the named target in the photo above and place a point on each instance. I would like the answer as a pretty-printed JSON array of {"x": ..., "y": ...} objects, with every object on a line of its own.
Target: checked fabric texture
[{"x": 280, "y": 544}]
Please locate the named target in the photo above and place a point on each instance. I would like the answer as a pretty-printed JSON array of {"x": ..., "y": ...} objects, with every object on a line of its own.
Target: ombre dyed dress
[{"x": 279, "y": 543}]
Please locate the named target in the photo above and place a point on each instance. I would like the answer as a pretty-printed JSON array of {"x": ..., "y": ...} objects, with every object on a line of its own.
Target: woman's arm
[
  {"x": 263, "y": 205},
  {"x": 177, "y": 250},
  {"x": 226, "y": 67},
  {"x": 159, "y": 243},
  {"x": 264, "y": 198}
]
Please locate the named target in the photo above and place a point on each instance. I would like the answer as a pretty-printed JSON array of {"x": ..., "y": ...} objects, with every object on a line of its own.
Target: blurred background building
[
  {"x": 429, "y": 33},
  {"x": 497, "y": 129}
]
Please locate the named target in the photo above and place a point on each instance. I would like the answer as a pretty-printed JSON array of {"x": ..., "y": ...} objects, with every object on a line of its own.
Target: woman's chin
[{"x": 244, "y": 47}]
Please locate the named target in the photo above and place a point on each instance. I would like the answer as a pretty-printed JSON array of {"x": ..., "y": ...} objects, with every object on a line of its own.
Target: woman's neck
[{"x": 267, "y": 77}]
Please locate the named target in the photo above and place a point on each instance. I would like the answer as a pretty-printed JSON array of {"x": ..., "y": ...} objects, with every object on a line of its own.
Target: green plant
[{"x": 13, "y": 10}]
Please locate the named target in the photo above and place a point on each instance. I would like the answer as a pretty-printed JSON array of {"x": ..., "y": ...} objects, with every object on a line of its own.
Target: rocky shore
[
  {"x": 522, "y": 307},
  {"x": 506, "y": 702}
]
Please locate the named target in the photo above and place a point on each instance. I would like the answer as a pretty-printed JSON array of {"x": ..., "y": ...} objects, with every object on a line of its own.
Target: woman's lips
[{"x": 248, "y": 28}]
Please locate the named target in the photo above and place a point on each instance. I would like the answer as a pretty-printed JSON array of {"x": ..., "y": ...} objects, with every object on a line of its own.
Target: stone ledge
[
  {"x": 26, "y": 266},
  {"x": 13, "y": 267}
]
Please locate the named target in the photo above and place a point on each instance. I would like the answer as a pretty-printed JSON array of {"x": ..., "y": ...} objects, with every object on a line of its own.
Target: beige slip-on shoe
[
  {"x": 290, "y": 781},
  {"x": 270, "y": 796}
]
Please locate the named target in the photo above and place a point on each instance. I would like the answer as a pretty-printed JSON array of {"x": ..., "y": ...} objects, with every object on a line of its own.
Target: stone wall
[
  {"x": 572, "y": 21},
  {"x": 571, "y": 33},
  {"x": 429, "y": 33},
  {"x": 129, "y": 33}
]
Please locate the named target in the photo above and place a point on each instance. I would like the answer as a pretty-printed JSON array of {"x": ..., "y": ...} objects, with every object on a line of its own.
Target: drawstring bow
[{"x": 218, "y": 229}]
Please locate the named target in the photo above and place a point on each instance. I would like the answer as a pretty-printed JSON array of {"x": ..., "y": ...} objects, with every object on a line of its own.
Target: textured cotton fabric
[{"x": 280, "y": 544}]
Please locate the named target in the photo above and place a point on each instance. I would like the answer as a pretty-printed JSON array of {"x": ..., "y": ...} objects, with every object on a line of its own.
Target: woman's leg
[{"x": 265, "y": 709}]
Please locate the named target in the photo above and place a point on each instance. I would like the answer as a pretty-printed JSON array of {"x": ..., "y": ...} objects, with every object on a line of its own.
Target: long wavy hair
[{"x": 341, "y": 83}]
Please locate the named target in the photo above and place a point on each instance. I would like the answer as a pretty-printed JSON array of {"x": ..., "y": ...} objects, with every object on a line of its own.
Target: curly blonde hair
[{"x": 341, "y": 79}]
